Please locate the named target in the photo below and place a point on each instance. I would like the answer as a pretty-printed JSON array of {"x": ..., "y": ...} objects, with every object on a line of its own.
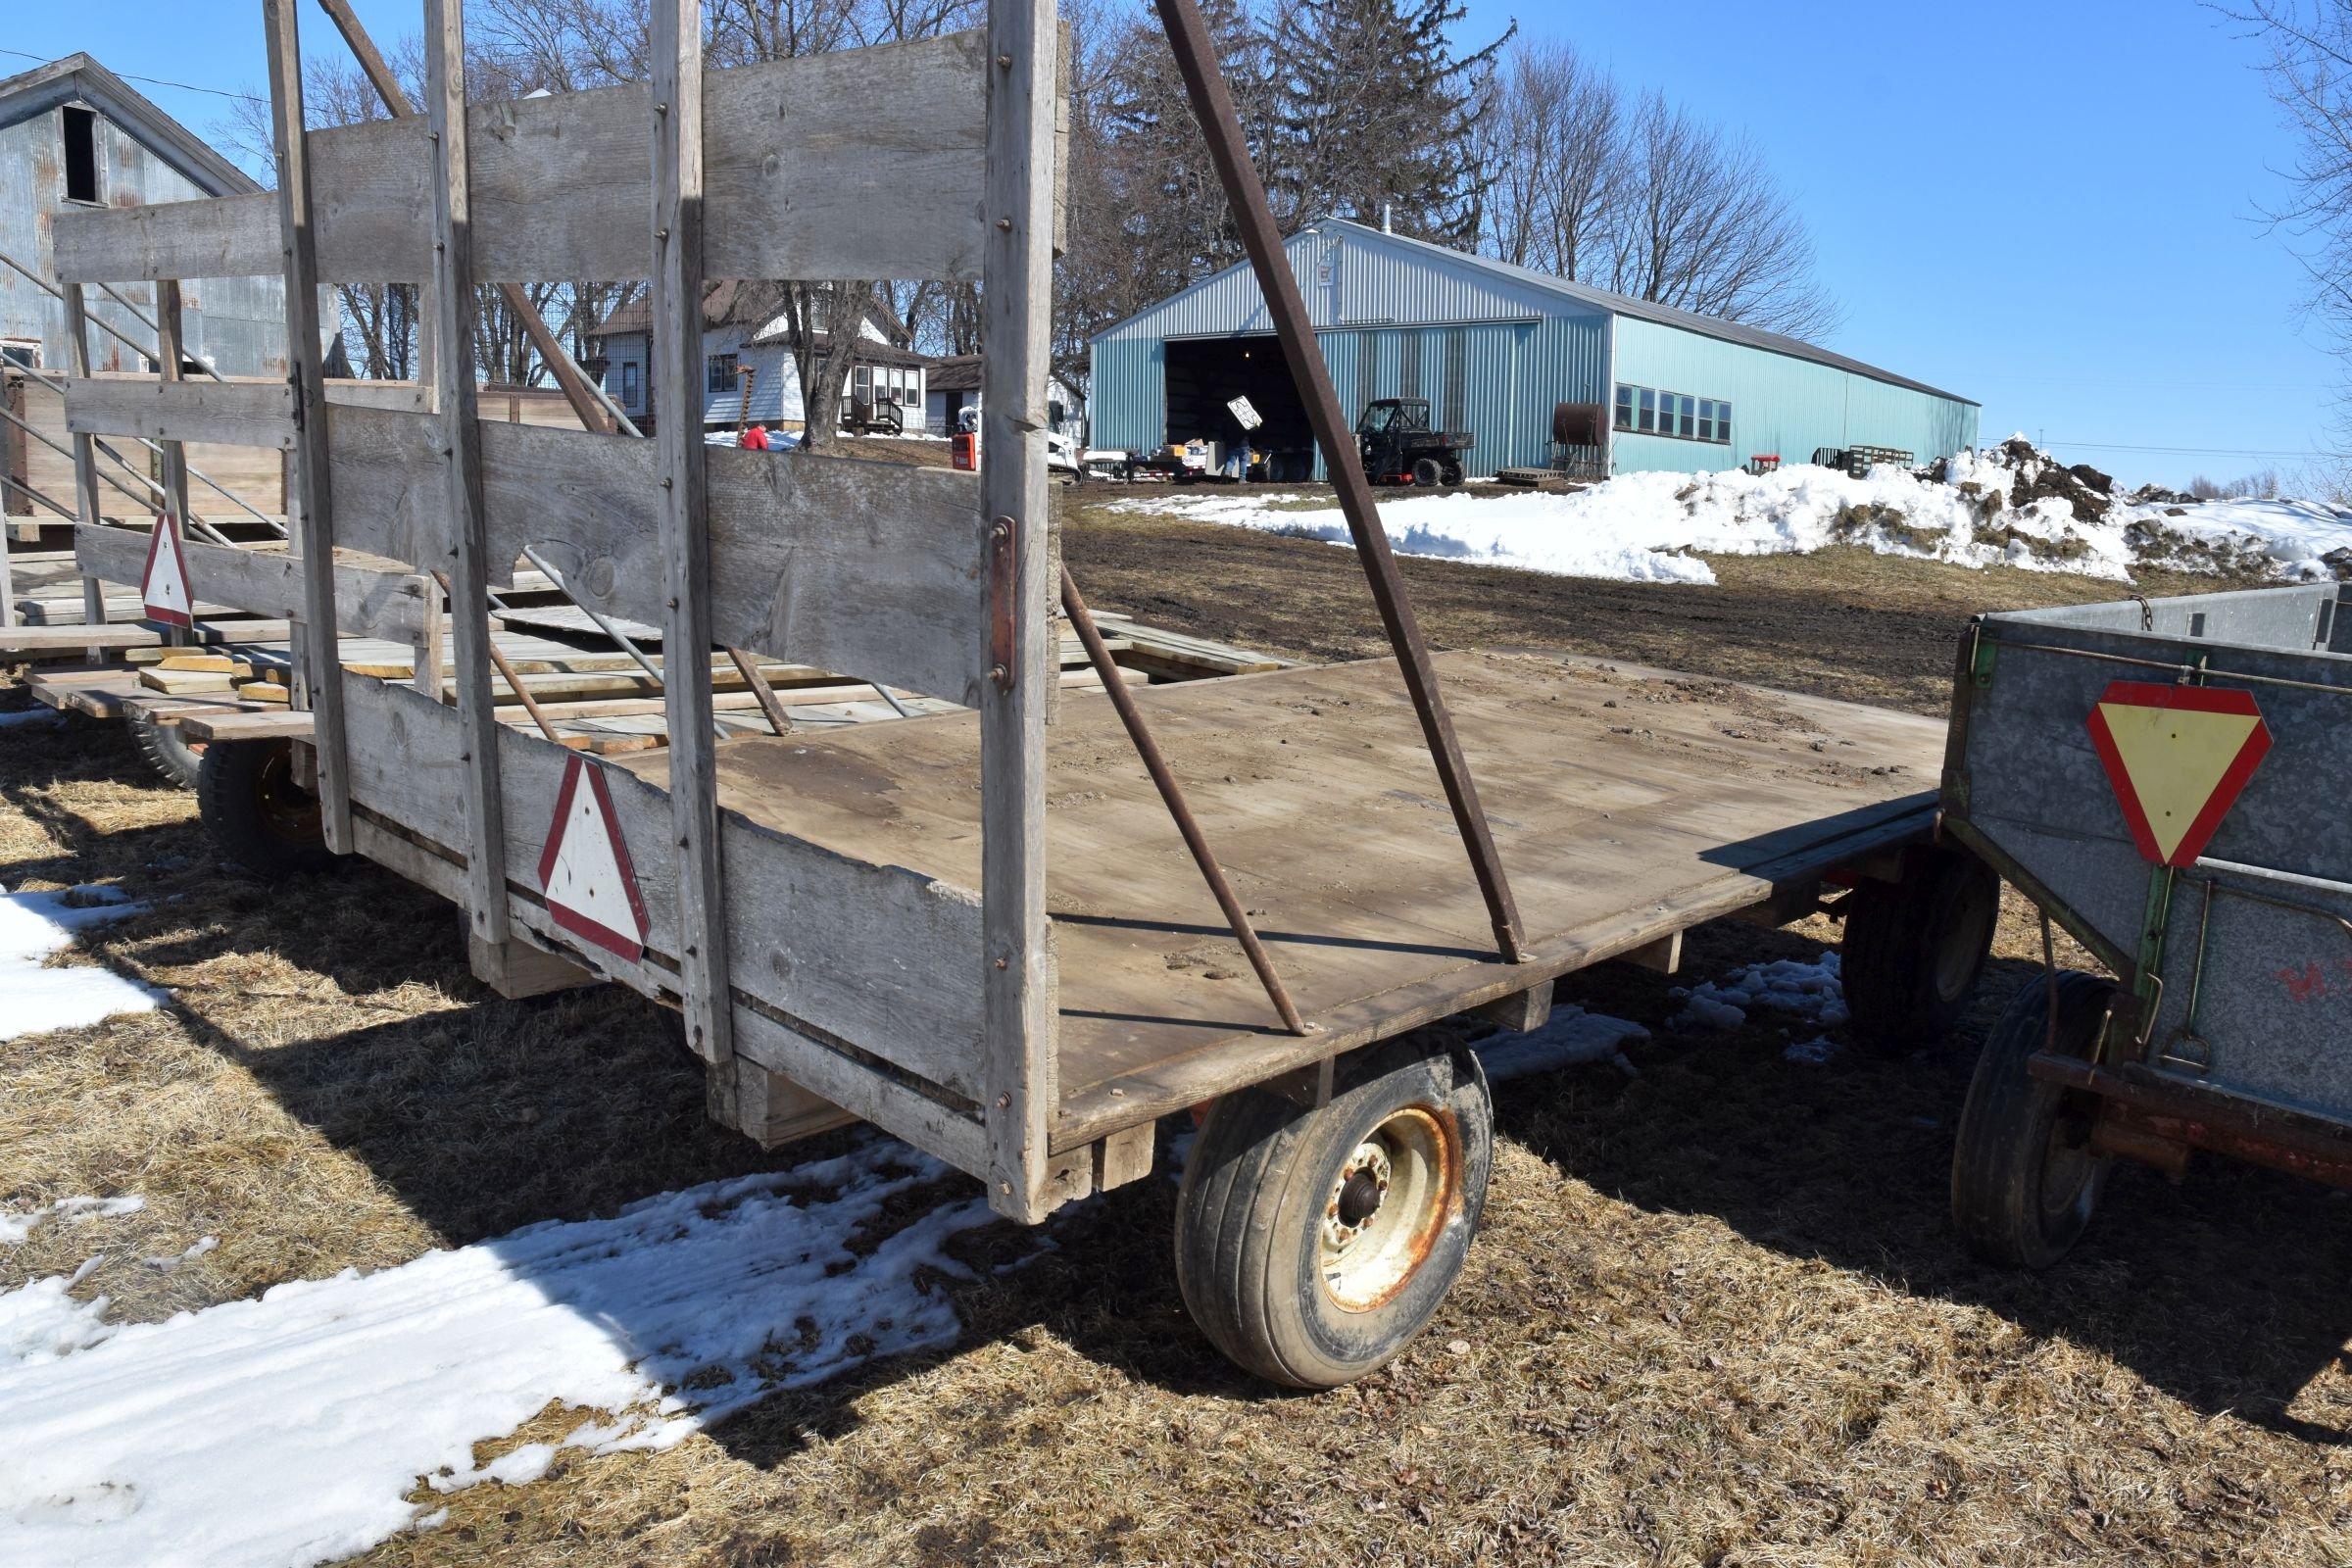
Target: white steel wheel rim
[{"x": 1386, "y": 1207}]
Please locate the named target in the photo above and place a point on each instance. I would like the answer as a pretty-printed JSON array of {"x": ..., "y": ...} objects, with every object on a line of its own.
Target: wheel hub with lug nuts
[{"x": 1386, "y": 1207}]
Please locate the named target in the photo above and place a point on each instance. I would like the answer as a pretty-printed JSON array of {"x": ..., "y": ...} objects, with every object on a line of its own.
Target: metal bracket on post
[{"x": 1004, "y": 591}]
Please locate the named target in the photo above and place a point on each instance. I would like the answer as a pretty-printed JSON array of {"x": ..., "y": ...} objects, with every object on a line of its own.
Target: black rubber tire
[
  {"x": 174, "y": 758},
  {"x": 2012, "y": 1204},
  {"x": 1249, "y": 1223},
  {"x": 259, "y": 818},
  {"x": 1427, "y": 472},
  {"x": 1914, "y": 950},
  {"x": 1453, "y": 473}
]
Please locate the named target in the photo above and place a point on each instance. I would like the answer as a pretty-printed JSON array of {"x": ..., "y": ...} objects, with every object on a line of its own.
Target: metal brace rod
[
  {"x": 1171, "y": 794},
  {"x": 1220, "y": 126},
  {"x": 192, "y": 519}
]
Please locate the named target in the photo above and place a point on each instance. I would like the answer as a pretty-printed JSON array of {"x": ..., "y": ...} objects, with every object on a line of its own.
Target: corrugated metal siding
[
  {"x": 1349, "y": 280},
  {"x": 237, "y": 326},
  {"x": 1129, "y": 387},
  {"x": 1779, "y": 404}
]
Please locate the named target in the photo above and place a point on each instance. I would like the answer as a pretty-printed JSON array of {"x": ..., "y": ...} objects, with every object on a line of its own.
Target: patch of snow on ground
[
  {"x": 39, "y": 1322},
  {"x": 287, "y": 1429},
  {"x": 13, "y": 1228},
  {"x": 1651, "y": 526},
  {"x": 35, "y": 926},
  {"x": 1813, "y": 993},
  {"x": 1569, "y": 1037}
]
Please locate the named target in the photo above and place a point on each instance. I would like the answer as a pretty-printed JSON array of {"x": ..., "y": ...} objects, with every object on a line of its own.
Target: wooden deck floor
[{"x": 1626, "y": 802}]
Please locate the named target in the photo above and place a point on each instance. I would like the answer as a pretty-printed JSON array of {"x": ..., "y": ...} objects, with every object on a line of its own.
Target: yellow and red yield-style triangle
[{"x": 2178, "y": 757}]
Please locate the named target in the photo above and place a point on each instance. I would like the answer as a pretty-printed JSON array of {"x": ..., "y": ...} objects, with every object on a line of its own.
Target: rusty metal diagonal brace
[{"x": 1220, "y": 126}]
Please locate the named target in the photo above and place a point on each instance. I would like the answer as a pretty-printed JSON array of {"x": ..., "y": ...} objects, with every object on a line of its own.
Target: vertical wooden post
[
  {"x": 677, "y": 345},
  {"x": 312, "y": 515},
  {"x": 169, "y": 348},
  {"x": 1019, "y": 1071},
  {"x": 451, "y": 332},
  {"x": 85, "y": 454}
]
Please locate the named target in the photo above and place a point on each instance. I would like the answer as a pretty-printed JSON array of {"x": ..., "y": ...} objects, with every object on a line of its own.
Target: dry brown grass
[{"x": 1717, "y": 1316}]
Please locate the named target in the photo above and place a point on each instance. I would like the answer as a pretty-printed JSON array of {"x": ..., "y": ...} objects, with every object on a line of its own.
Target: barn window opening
[
  {"x": 1675, "y": 414},
  {"x": 81, "y": 155}
]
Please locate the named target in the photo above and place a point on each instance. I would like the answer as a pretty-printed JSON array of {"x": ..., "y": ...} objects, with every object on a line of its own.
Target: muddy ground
[{"x": 1717, "y": 1315}]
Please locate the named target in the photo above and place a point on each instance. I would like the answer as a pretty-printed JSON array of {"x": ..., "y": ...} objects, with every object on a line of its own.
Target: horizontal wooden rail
[
  {"x": 267, "y": 582},
  {"x": 873, "y": 567},
  {"x": 243, "y": 413},
  {"x": 886, "y": 958},
  {"x": 867, "y": 163}
]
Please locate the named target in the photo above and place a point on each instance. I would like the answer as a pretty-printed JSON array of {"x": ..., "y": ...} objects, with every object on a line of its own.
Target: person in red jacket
[{"x": 755, "y": 439}]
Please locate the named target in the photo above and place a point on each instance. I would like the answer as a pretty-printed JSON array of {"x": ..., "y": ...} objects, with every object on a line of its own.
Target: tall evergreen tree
[{"x": 1378, "y": 112}]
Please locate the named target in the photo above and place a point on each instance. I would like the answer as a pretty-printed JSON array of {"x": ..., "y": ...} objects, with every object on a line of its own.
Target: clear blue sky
[{"x": 2044, "y": 206}]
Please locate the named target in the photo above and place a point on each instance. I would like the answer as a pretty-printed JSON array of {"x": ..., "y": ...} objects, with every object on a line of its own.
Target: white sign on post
[
  {"x": 1247, "y": 412},
  {"x": 585, "y": 873},
  {"x": 164, "y": 587}
]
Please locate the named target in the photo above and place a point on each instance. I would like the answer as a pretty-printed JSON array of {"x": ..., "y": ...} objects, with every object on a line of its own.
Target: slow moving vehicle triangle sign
[
  {"x": 164, "y": 587},
  {"x": 585, "y": 873},
  {"x": 2178, "y": 757}
]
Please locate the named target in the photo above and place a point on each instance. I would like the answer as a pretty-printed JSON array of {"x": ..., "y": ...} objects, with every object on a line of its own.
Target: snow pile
[
  {"x": 37, "y": 926},
  {"x": 1813, "y": 993},
  {"x": 2009, "y": 505},
  {"x": 288, "y": 1428},
  {"x": 1569, "y": 1037}
]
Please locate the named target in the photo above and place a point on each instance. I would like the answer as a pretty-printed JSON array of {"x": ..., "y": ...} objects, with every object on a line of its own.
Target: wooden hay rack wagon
[{"x": 977, "y": 930}]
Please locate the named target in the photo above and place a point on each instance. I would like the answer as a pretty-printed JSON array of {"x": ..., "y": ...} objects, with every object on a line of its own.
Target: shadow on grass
[{"x": 2227, "y": 1292}]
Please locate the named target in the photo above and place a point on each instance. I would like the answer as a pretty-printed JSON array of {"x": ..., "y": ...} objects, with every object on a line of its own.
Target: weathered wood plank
[
  {"x": 22, "y": 642},
  {"x": 230, "y": 724},
  {"x": 880, "y": 180},
  {"x": 85, "y": 454},
  {"x": 875, "y": 568},
  {"x": 310, "y": 499},
  {"x": 772, "y": 1110},
  {"x": 250, "y": 413},
  {"x": 1021, "y": 1068},
  {"x": 221, "y": 236},
  {"x": 677, "y": 220},
  {"x": 458, "y": 461},
  {"x": 268, "y": 582},
  {"x": 879, "y": 970}
]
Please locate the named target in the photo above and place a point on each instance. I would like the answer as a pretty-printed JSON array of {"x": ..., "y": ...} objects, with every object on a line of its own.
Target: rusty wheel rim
[{"x": 1386, "y": 1207}]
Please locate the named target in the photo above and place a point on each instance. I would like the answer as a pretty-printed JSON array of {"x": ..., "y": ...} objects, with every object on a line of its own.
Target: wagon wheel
[
  {"x": 1914, "y": 950},
  {"x": 2025, "y": 1178},
  {"x": 1427, "y": 471},
  {"x": 258, "y": 813},
  {"x": 1311, "y": 1246},
  {"x": 176, "y": 759}
]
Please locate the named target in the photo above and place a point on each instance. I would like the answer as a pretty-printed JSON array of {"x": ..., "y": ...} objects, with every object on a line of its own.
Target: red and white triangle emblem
[
  {"x": 163, "y": 588},
  {"x": 585, "y": 873}
]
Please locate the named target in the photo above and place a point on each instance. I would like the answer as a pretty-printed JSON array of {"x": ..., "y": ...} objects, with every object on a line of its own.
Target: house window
[
  {"x": 1687, "y": 419},
  {"x": 1723, "y": 424},
  {"x": 629, "y": 385},
  {"x": 721, "y": 377},
  {"x": 861, "y": 382},
  {"x": 1649, "y": 411},
  {"x": 1624, "y": 408},
  {"x": 81, "y": 155},
  {"x": 23, "y": 352}
]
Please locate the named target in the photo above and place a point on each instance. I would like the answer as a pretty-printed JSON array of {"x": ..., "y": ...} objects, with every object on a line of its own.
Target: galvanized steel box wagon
[{"x": 2167, "y": 779}]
